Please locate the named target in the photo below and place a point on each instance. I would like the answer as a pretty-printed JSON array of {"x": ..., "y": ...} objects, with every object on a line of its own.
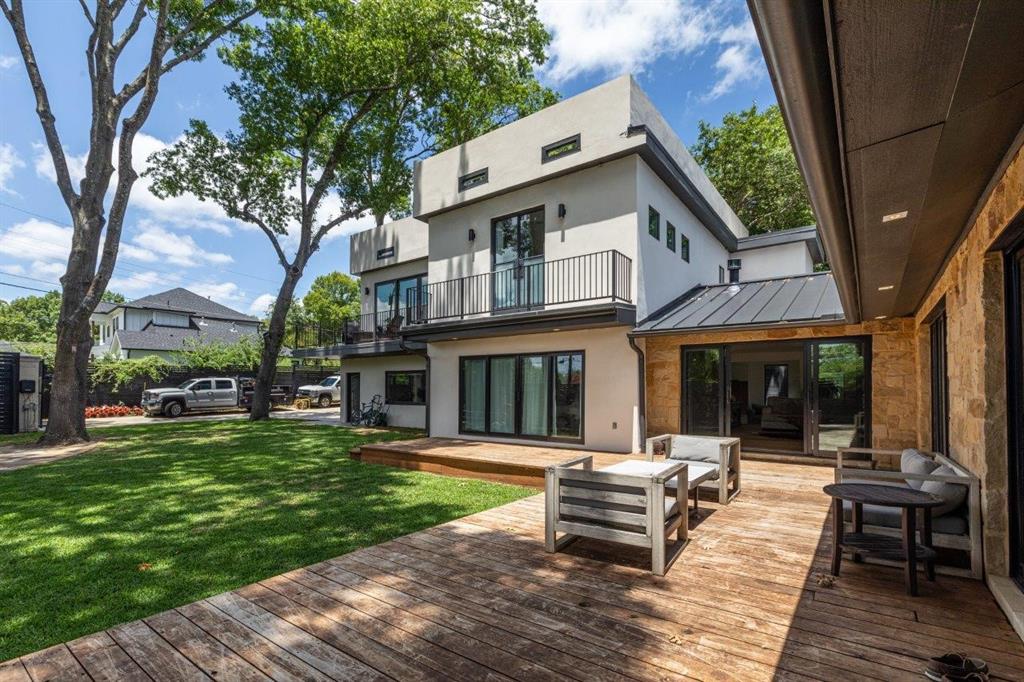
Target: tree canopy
[
  {"x": 335, "y": 100},
  {"x": 749, "y": 159},
  {"x": 34, "y": 318},
  {"x": 332, "y": 300}
]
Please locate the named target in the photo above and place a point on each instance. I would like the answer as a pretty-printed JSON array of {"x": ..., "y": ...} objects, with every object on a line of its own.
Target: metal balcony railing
[
  {"x": 363, "y": 329},
  {"x": 604, "y": 275}
]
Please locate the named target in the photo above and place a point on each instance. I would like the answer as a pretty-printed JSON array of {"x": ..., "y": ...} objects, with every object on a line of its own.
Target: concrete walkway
[{"x": 17, "y": 457}]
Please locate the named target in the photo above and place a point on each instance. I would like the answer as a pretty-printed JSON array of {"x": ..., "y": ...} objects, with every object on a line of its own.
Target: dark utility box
[{"x": 27, "y": 386}]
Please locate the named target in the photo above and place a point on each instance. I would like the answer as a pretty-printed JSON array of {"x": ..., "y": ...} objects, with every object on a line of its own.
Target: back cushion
[
  {"x": 952, "y": 494},
  {"x": 695, "y": 449},
  {"x": 913, "y": 462}
]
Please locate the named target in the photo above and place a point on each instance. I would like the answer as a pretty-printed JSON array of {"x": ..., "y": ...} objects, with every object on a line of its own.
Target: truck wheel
[
  {"x": 324, "y": 400},
  {"x": 173, "y": 410}
]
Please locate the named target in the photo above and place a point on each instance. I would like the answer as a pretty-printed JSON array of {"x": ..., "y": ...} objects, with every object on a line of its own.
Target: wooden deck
[
  {"x": 478, "y": 598},
  {"x": 518, "y": 464}
]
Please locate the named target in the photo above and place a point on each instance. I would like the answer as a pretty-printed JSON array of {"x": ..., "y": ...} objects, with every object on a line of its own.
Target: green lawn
[{"x": 162, "y": 515}]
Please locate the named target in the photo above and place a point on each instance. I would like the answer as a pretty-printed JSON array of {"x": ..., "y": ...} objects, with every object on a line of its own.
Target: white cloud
[
  {"x": 7, "y": 61},
  {"x": 153, "y": 242},
  {"x": 613, "y": 37},
  {"x": 261, "y": 303},
  {"x": 227, "y": 293},
  {"x": 12, "y": 269},
  {"x": 9, "y": 162},
  {"x": 739, "y": 62},
  {"x": 136, "y": 284},
  {"x": 36, "y": 240}
]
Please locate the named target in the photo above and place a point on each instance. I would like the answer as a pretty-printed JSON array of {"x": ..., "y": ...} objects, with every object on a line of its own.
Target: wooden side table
[{"x": 904, "y": 549}]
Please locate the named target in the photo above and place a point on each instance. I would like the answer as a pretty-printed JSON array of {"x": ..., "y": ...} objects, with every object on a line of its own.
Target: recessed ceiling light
[
  {"x": 880, "y": 317},
  {"x": 894, "y": 216},
  {"x": 887, "y": 287}
]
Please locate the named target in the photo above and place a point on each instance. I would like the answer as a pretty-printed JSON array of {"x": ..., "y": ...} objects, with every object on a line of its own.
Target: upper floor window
[
  {"x": 670, "y": 236},
  {"x": 684, "y": 247},
  {"x": 392, "y": 297},
  {"x": 474, "y": 179},
  {"x": 557, "y": 150},
  {"x": 653, "y": 223}
]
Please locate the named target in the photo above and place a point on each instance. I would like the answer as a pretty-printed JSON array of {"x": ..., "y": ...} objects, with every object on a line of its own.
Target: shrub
[{"x": 92, "y": 412}]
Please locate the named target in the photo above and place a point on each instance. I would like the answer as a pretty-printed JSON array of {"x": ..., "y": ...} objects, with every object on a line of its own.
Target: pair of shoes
[{"x": 955, "y": 667}]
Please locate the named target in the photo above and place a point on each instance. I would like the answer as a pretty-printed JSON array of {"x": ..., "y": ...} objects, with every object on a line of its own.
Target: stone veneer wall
[
  {"x": 894, "y": 420},
  {"x": 973, "y": 289}
]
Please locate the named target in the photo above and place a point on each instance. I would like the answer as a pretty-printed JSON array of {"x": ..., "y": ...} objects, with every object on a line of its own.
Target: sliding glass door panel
[
  {"x": 840, "y": 395},
  {"x": 503, "y": 395},
  {"x": 704, "y": 391},
  {"x": 473, "y": 395},
  {"x": 568, "y": 395},
  {"x": 535, "y": 406}
]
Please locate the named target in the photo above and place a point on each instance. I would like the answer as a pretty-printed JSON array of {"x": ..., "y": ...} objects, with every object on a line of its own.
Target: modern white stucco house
[
  {"x": 505, "y": 306},
  {"x": 162, "y": 323}
]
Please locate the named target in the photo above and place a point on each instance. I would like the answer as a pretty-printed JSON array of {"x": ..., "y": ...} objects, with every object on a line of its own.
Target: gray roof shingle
[
  {"x": 173, "y": 338},
  {"x": 183, "y": 300},
  {"x": 799, "y": 299}
]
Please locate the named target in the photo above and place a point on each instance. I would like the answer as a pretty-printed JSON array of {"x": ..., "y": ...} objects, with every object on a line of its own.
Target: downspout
[
  {"x": 426, "y": 357},
  {"x": 641, "y": 384}
]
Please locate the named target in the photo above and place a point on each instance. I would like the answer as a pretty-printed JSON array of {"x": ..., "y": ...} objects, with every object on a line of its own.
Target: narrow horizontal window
[
  {"x": 557, "y": 150},
  {"x": 684, "y": 247},
  {"x": 405, "y": 388},
  {"x": 653, "y": 223},
  {"x": 386, "y": 252},
  {"x": 670, "y": 236},
  {"x": 474, "y": 179}
]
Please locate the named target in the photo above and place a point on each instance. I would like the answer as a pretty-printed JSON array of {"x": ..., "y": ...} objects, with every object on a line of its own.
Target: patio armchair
[
  {"x": 617, "y": 507},
  {"x": 724, "y": 453},
  {"x": 955, "y": 525}
]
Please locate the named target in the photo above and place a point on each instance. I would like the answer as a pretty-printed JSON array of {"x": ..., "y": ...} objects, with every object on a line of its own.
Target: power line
[
  {"x": 34, "y": 279},
  {"x": 19, "y": 286}
]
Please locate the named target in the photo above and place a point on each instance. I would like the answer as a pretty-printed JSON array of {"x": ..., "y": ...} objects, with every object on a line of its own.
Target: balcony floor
[{"x": 478, "y": 598}]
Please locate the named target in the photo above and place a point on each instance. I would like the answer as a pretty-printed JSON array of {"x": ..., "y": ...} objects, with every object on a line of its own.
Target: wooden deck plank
[
  {"x": 478, "y": 597},
  {"x": 103, "y": 659}
]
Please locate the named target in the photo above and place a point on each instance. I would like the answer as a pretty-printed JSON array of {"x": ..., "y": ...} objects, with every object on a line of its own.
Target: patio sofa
[
  {"x": 632, "y": 509},
  {"x": 722, "y": 452},
  {"x": 955, "y": 525}
]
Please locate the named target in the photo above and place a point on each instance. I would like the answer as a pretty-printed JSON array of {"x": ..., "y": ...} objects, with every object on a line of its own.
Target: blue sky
[{"x": 696, "y": 60}]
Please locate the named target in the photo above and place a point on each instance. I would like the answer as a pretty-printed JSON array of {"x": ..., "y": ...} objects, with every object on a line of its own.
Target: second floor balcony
[{"x": 528, "y": 285}]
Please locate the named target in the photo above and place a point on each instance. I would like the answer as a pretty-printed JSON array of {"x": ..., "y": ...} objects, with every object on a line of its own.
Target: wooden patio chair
[
  {"x": 723, "y": 453},
  {"x": 624, "y": 508}
]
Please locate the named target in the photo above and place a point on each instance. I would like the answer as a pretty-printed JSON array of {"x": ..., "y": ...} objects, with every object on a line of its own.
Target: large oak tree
[
  {"x": 335, "y": 100},
  {"x": 170, "y": 32}
]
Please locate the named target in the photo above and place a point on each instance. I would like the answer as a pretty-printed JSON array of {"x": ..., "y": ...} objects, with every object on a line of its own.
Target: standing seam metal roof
[{"x": 799, "y": 299}]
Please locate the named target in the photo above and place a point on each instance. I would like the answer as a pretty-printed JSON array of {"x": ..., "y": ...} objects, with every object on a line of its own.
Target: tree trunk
[
  {"x": 70, "y": 386},
  {"x": 273, "y": 339}
]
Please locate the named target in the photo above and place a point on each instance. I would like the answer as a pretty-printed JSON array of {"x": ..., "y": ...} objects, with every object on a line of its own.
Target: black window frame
[
  {"x": 670, "y": 236},
  {"x": 400, "y": 305},
  {"x": 389, "y": 374},
  {"x": 474, "y": 179},
  {"x": 654, "y": 223},
  {"x": 517, "y": 430},
  {"x": 547, "y": 151},
  {"x": 939, "y": 376},
  {"x": 684, "y": 247},
  {"x": 721, "y": 275}
]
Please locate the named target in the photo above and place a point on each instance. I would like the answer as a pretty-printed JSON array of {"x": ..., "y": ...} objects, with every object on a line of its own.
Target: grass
[{"x": 163, "y": 515}]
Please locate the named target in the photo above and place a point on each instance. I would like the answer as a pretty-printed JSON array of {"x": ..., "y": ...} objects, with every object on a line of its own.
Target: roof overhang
[
  {"x": 529, "y": 322},
  {"x": 895, "y": 107},
  {"x": 807, "y": 234}
]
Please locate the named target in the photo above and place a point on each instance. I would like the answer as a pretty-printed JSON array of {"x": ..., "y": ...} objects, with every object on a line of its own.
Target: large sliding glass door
[
  {"x": 536, "y": 395},
  {"x": 1015, "y": 403},
  {"x": 800, "y": 397}
]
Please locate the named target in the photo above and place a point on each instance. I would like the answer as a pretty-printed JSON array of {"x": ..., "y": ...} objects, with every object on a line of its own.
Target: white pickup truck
[{"x": 323, "y": 394}]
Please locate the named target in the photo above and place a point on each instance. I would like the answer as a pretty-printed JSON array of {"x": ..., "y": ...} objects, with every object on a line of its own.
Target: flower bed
[{"x": 112, "y": 411}]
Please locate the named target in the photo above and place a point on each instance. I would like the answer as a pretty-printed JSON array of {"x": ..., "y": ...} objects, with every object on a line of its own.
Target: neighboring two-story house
[
  {"x": 506, "y": 307},
  {"x": 161, "y": 323}
]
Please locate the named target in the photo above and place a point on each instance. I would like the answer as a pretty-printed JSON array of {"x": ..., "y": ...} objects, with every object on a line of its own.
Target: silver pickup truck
[{"x": 208, "y": 394}]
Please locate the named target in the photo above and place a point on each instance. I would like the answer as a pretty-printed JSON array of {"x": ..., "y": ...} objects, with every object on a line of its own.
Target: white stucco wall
[
  {"x": 512, "y": 153},
  {"x": 371, "y": 377},
  {"x": 663, "y": 274},
  {"x": 407, "y": 236},
  {"x": 610, "y": 403},
  {"x": 775, "y": 261}
]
